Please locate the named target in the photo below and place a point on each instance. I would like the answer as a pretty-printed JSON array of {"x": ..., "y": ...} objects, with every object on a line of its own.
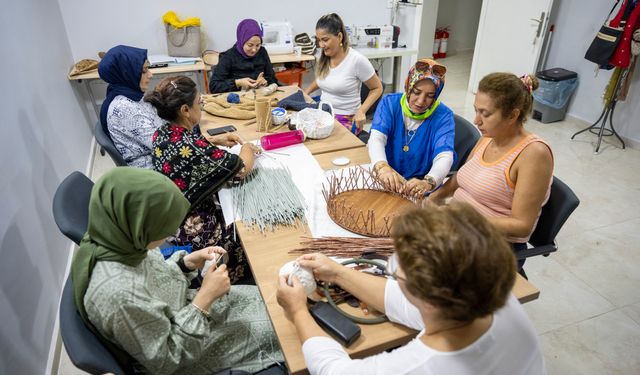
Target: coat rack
[{"x": 611, "y": 99}]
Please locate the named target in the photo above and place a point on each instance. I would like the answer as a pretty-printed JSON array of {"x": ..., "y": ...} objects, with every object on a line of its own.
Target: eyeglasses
[{"x": 391, "y": 270}]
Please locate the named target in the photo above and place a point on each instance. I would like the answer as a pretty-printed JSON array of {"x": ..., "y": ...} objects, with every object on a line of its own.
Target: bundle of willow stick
[
  {"x": 348, "y": 247},
  {"x": 267, "y": 198}
]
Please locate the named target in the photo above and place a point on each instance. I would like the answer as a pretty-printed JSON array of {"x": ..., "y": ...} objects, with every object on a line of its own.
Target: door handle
[{"x": 540, "y": 23}]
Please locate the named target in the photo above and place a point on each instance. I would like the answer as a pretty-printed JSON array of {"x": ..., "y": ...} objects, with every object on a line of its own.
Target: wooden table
[
  {"x": 340, "y": 139},
  {"x": 199, "y": 67},
  {"x": 267, "y": 253}
]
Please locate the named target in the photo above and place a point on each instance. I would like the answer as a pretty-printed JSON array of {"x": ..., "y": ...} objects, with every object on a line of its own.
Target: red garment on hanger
[{"x": 622, "y": 55}]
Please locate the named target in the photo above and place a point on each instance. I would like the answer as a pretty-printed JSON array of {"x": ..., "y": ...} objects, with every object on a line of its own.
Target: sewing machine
[
  {"x": 277, "y": 37},
  {"x": 374, "y": 36}
]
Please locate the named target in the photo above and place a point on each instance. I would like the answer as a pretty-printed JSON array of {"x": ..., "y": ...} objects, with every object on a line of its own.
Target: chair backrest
[
  {"x": 562, "y": 202},
  {"x": 105, "y": 141},
  {"x": 364, "y": 91},
  {"x": 466, "y": 137},
  {"x": 84, "y": 349},
  {"x": 71, "y": 205}
]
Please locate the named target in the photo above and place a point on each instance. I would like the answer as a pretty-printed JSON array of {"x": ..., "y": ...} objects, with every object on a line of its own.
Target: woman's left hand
[
  {"x": 417, "y": 187},
  {"x": 360, "y": 118},
  {"x": 196, "y": 259},
  {"x": 225, "y": 139},
  {"x": 291, "y": 298},
  {"x": 261, "y": 81}
]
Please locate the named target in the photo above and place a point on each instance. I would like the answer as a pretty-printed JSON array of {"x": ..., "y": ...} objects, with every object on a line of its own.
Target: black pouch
[{"x": 604, "y": 45}]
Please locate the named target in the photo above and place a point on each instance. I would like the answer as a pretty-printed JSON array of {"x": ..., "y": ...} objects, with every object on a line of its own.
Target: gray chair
[
  {"x": 561, "y": 204},
  {"x": 466, "y": 138},
  {"x": 84, "y": 349},
  {"x": 71, "y": 205},
  {"x": 105, "y": 141}
]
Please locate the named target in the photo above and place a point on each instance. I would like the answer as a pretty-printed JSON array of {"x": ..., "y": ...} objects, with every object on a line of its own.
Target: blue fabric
[
  {"x": 121, "y": 67},
  {"x": 233, "y": 98},
  {"x": 168, "y": 251},
  {"x": 435, "y": 135}
]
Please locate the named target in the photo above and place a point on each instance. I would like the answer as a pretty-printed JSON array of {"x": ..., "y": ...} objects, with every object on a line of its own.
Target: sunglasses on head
[{"x": 436, "y": 69}]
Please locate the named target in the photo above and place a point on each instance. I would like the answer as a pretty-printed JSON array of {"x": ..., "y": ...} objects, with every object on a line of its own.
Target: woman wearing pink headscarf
[{"x": 246, "y": 65}]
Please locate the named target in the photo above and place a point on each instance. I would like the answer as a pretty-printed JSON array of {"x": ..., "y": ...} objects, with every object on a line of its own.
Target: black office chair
[
  {"x": 562, "y": 202},
  {"x": 84, "y": 349},
  {"x": 105, "y": 141},
  {"x": 466, "y": 138},
  {"x": 71, "y": 205},
  {"x": 364, "y": 91}
]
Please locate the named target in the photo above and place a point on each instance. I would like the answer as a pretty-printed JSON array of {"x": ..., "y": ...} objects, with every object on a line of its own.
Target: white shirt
[
  {"x": 510, "y": 346},
  {"x": 341, "y": 86}
]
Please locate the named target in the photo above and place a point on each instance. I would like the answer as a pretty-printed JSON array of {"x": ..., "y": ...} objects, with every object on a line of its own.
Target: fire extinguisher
[
  {"x": 442, "y": 52},
  {"x": 436, "y": 44}
]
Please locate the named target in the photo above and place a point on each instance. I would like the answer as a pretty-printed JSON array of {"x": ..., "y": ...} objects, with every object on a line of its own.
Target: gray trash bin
[{"x": 551, "y": 99}]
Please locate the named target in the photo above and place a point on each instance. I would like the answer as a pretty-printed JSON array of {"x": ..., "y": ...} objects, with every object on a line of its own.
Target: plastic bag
[
  {"x": 555, "y": 94},
  {"x": 316, "y": 123}
]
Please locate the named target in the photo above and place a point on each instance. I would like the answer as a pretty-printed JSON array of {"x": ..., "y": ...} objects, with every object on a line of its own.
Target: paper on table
[
  {"x": 304, "y": 168},
  {"x": 166, "y": 59}
]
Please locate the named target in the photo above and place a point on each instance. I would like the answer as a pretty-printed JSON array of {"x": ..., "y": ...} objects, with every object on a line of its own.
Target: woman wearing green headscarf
[
  {"x": 140, "y": 304},
  {"x": 412, "y": 133}
]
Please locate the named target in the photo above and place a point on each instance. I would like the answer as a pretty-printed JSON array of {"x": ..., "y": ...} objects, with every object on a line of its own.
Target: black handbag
[{"x": 605, "y": 42}]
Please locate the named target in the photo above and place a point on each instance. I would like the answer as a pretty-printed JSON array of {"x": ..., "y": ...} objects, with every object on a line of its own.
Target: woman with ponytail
[
  {"x": 507, "y": 177},
  {"x": 412, "y": 134},
  {"x": 340, "y": 73}
]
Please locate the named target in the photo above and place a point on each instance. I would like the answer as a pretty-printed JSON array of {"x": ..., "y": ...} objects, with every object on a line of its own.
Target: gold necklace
[{"x": 408, "y": 134}]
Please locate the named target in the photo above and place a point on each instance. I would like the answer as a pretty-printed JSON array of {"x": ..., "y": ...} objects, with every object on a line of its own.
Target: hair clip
[
  {"x": 527, "y": 82},
  {"x": 174, "y": 85}
]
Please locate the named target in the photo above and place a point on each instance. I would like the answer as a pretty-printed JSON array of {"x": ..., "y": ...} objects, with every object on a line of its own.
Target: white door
[{"x": 510, "y": 37}]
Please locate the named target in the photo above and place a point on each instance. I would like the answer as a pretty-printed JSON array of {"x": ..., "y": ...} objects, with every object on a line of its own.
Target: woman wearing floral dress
[{"x": 198, "y": 167}]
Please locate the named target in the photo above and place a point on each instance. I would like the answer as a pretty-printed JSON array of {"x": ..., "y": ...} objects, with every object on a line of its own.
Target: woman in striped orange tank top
[{"x": 508, "y": 175}]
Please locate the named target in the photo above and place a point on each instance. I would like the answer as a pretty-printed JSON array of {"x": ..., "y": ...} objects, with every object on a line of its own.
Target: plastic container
[
  {"x": 291, "y": 76},
  {"x": 551, "y": 99},
  {"x": 278, "y": 140}
]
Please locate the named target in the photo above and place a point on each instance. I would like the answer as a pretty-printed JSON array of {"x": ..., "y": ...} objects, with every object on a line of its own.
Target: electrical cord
[{"x": 357, "y": 319}]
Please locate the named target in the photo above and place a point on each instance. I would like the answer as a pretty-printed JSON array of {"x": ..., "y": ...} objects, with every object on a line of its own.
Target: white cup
[{"x": 297, "y": 50}]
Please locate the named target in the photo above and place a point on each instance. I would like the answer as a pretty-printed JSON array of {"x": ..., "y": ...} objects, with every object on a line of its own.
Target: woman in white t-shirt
[
  {"x": 340, "y": 73},
  {"x": 452, "y": 281}
]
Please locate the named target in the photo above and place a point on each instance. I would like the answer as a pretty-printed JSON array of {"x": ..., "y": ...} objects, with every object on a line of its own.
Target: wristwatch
[{"x": 432, "y": 181}]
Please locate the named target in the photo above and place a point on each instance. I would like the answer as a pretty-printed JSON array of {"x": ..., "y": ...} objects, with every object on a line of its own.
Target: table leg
[
  {"x": 92, "y": 98},
  {"x": 397, "y": 63}
]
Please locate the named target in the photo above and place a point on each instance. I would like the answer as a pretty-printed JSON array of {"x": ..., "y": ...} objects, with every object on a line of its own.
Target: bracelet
[
  {"x": 183, "y": 267},
  {"x": 202, "y": 311}
]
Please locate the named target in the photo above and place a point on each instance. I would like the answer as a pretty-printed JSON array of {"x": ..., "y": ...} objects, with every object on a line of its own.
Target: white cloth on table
[
  {"x": 341, "y": 86},
  {"x": 510, "y": 346}
]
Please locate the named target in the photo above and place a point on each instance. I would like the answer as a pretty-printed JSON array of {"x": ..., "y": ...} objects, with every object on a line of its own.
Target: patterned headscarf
[
  {"x": 421, "y": 70},
  {"x": 247, "y": 29}
]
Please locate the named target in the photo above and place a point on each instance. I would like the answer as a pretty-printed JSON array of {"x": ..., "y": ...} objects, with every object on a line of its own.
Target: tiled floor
[{"x": 588, "y": 313}]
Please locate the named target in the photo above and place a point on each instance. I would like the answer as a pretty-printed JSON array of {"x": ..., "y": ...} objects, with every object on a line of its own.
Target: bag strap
[
  {"x": 184, "y": 36},
  {"x": 612, "y": 9}
]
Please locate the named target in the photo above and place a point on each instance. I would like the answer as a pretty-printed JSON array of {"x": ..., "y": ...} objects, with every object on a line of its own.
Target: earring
[{"x": 340, "y": 44}]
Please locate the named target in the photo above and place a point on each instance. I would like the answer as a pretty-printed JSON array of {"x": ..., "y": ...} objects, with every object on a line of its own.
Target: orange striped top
[{"x": 488, "y": 187}]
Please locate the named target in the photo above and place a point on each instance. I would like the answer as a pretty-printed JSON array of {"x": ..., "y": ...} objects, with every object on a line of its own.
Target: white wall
[
  {"x": 44, "y": 138},
  {"x": 461, "y": 16},
  {"x": 97, "y": 26},
  {"x": 576, "y": 23}
]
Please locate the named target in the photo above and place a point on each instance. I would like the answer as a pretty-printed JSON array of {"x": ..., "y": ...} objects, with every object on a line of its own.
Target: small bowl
[{"x": 278, "y": 115}]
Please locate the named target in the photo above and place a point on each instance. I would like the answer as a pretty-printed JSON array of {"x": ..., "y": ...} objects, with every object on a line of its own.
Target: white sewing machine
[
  {"x": 277, "y": 37},
  {"x": 374, "y": 36}
]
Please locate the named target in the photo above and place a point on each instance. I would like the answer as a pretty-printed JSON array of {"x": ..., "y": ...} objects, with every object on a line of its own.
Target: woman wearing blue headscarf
[
  {"x": 129, "y": 121},
  {"x": 412, "y": 133}
]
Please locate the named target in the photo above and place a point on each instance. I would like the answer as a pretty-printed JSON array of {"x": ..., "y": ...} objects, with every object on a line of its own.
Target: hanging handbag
[{"x": 605, "y": 42}]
